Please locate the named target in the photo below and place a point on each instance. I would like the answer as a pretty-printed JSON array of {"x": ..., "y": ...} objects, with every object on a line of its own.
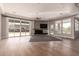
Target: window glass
[
  {"x": 67, "y": 26},
  {"x": 52, "y": 29},
  {"x": 17, "y": 27},
  {"x": 58, "y": 27},
  {"x": 11, "y": 28},
  {"x": 76, "y": 25}
]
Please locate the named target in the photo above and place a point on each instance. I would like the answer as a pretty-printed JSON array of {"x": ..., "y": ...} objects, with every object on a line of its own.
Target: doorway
[{"x": 18, "y": 27}]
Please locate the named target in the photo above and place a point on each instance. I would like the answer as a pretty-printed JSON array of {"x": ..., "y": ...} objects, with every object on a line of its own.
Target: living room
[{"x": 39, "y": 29}]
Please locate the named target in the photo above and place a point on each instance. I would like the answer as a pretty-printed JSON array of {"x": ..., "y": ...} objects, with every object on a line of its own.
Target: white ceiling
[{"x": 42, "y": 10}]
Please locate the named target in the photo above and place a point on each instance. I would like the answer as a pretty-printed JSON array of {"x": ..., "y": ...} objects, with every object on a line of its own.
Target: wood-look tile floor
[{"x": 20, "y": 46}]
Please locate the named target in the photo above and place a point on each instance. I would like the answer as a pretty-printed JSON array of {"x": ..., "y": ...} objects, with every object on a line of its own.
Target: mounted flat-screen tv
[{"x": 44, "y": 26}]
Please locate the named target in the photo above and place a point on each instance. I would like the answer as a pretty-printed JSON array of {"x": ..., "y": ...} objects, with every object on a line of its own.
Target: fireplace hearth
[{"x": 37, "y": 31}]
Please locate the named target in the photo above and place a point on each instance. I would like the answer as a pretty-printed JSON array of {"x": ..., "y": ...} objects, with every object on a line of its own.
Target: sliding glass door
[
  {"x": 25, "y": 28},
  {"x": 18, "y": 27}
]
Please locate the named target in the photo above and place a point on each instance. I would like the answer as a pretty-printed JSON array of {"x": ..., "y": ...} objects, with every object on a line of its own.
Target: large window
[
  {"x": 62, "y": 27},
  {"x": 76, "y": 25},
  {"x": 58, "y": 27},
  {"x": 51, "y": 29},
  {"x": 18, "y": 27},
  {"x": 67, "y": 26}
]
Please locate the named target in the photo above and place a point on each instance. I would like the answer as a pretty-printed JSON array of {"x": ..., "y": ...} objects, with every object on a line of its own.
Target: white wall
[
  {"x": 0, "y": 25},
  {"x": 4, "y": 27},
  {"x": 0, "y": 21}
]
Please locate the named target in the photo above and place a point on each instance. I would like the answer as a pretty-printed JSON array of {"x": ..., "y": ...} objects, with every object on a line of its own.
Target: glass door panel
[
  {"x": 17, "y": 27},
  {"x": 23, "y": 28},
  {"x": 11, "y": 27},
  {"x": 27, "y": 28}
]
